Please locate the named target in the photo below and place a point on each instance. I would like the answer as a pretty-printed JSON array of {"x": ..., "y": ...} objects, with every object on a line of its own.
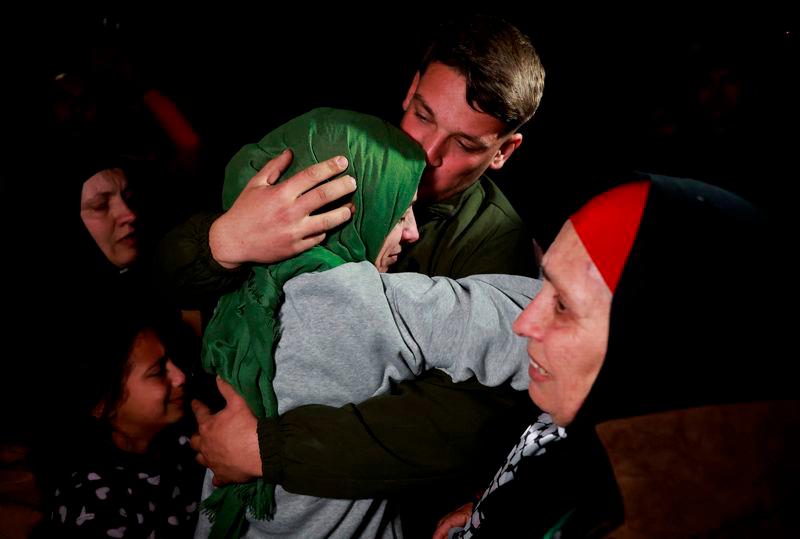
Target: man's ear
[
  {"x": 505, "y": 151},
  {"x": 411, "y": 91}
]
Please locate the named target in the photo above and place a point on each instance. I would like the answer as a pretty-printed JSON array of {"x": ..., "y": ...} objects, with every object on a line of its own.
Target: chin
[
  {"x": 532, "y": 394},
  {"x": 535, "y": 396},
  {"x": 426, "y": 192},
  {"x": 124, "y": 260},
  {"x": 174, "y": 418},
  {"x": 175, "y": 413}
]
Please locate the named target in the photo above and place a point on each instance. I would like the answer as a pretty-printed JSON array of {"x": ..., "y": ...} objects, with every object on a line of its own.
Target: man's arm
[
  {"x": 419, "y": 433},
  {"x": 429, "y": 430},
  {"x": 267, "y": 223}
]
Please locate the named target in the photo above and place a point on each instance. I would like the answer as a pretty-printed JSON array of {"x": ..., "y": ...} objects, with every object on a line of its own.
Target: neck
[{"x": 133, "y": 444}]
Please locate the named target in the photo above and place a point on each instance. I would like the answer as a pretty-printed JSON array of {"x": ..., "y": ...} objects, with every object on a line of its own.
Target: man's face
[
  {"x": 567, "y": 328},
  {"x": 460, "y": 143},
  {"x": 153, "y": 394},
  {"x": 108, "y": 217}
]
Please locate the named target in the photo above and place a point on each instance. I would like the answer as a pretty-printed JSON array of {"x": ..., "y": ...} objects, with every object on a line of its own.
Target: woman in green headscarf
[
  {"x": 326, "y": 327},
  {"x": 240, "y": 339}
]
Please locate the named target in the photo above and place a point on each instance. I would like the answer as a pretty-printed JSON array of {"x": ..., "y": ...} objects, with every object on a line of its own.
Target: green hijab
[{"x": 240, "y": 340}]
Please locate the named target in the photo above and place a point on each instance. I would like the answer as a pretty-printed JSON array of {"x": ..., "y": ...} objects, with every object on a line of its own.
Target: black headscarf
[
  {"x": 84, "y": 263},
  {"x": 695, "y": 318}
]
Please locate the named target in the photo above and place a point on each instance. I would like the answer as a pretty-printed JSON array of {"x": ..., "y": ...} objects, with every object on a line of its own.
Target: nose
[
  {"x": 434, "y": 146},
  {"x": 410, "y": 232},
  {"x": 531, "y": 322},
  {"x": 175, "y": 375},
  {"x": 123, "y": 214}
]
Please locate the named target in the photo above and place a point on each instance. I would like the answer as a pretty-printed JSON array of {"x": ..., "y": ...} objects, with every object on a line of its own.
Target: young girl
[{"x": 130, "y": 471}]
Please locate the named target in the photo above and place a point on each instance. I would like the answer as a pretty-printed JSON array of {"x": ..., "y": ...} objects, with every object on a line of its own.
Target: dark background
[{"x": 713, "y": 100}]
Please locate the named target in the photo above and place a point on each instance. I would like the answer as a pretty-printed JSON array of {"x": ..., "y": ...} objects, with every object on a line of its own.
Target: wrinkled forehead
[
  {"x": 570, "y": 269},
  {"x": 106, "y": 181}
]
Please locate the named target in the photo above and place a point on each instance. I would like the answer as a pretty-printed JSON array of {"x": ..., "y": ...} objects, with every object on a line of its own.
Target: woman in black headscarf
[
  {"x": 106, "y": 245},
  {"x": 653, "y": 299}
]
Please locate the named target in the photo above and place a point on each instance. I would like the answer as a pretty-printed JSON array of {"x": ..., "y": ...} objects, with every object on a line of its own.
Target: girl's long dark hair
[{"x": 89, "y": 383}]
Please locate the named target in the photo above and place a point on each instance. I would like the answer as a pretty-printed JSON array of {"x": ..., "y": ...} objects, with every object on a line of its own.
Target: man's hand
[
  {"x": 269, "y": 223},
  {"x": 227, "y": 442},
  {"x": 456, "y": 519}
]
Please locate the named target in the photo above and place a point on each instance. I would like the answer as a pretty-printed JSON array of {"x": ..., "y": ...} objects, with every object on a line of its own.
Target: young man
[{"x": 478, "y": 83}]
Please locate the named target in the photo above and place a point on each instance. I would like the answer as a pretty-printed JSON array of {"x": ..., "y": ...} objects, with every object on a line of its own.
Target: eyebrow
[
  {"x": 561, "y": 291},
  {"x": 97, "y": 197},
  {"x": 160, "y": 362},
  {"x": 471, "y": 138},
  {"x": 544, "y": 273},
  {"x": 419, "y": 99}
]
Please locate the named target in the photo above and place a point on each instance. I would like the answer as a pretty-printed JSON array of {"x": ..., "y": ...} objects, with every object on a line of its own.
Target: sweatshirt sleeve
[
  {"x": 464, "y": 326},
  {"x": 425, "y": 432}
]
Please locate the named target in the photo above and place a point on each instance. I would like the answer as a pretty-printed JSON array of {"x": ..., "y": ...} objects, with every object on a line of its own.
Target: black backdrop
[{"x": 714, "y": 101}]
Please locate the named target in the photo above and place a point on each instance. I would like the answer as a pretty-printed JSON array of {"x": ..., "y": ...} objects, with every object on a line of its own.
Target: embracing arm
[
  {"x": 464, "y": 326},
  {"x": 428, "y": 430},
  {"x": 199, "y": 260},
  {"x": 186, "y": 268},
  {"x": 423, "y": 431}
]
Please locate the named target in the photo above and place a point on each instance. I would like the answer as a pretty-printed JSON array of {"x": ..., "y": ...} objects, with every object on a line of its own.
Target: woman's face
[
  {"x": 405, "y": 231},
  {"x": 108, "y": 218},
  {"x": 152, "y": 395},
  {"x": 567, "y": 328}
]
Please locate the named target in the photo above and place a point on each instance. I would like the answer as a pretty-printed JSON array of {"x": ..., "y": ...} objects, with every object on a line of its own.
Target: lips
[
  {"x": 538, "y": 367},
  {"x": 392, "y": 258},
  {"x": 129, "y": 238},
  {"x": 537, "y": 373},
  {"x": 177, "y": 399}
]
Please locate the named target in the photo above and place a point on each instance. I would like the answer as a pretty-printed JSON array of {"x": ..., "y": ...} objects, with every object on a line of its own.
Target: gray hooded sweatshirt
[{"x": 350, "y": 332}]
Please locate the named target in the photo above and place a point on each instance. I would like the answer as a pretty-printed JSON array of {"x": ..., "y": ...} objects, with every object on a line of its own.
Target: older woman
[
  {"x": 108, "y": 217},
  {"x": 339, "y": 330},
  {"x": 645, "y": 307},
  {"x": 105, "y": 248}
]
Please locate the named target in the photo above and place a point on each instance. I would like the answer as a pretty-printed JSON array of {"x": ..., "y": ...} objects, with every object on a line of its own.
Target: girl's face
[
  {"x": 108, "y": 217},
  {"x": 152, "y": 395}
]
